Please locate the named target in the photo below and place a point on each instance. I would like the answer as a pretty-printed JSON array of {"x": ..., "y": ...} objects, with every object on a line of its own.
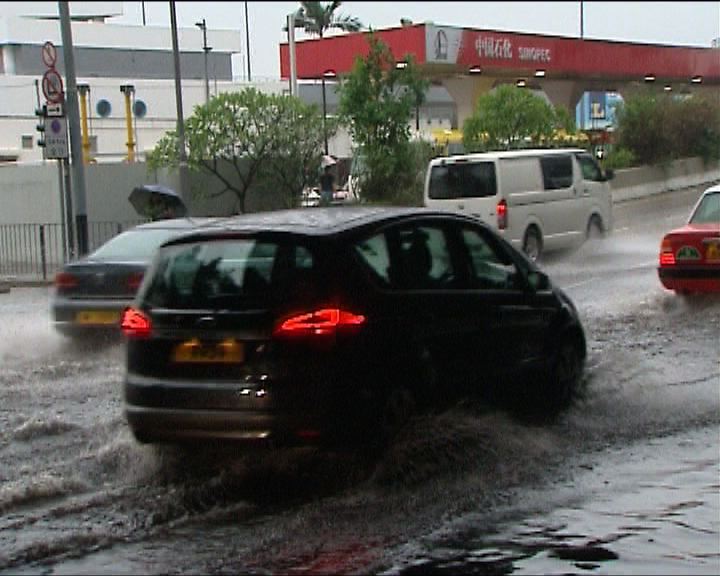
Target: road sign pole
[
  {"x": 73, "y": 113},
  {"x": 63, "y": 227},
  {"x": 69, "y": 210}
]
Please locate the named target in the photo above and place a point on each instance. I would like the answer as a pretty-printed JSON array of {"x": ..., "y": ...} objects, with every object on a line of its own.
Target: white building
[{"x": 108, "y": 56}]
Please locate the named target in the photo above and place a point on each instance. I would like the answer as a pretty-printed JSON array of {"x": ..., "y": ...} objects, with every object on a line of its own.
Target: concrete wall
[
  {"x": 31, "y": 193},
  {"x": 638, "y": 182}
]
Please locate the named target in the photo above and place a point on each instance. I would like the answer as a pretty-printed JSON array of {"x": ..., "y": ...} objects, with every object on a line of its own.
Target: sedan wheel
[
  {"x": 566, "y": 374},
  {"x": 400, "y": 406}
]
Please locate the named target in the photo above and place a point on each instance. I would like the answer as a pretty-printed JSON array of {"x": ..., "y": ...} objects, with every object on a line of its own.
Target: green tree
[
  {"x": 316, "y": 18},
  {"x": 641, "y": 129},
  {"x": 657, "y": 128},
  {"x": 239, "y": 137},
  {"x": 377, "y": 102},
  {"x": 295, "y": 163},
  {"x": 508, "y": 118}
]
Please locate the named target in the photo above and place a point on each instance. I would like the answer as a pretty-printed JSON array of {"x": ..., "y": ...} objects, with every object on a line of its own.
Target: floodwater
[{"x": 626, "y": 481}]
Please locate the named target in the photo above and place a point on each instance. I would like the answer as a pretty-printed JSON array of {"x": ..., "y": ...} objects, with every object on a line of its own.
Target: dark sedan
[
  {"x": 90, "y": 293},
  {"x": 311, "y": 325}
]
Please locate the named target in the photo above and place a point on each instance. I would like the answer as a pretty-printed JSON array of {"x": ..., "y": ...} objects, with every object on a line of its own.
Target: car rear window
[
  {"x": 708, "y": 211},
  {"x": 228, "y": 274},
  {"x": 133, "y": 245},
  {"x": 466, "y": 180}
]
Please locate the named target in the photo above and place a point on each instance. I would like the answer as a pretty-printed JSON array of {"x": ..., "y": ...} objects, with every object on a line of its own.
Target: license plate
[
  {"x": 101, "y": 317},
  {"x": 225, "y": 352},
  {"x": 712, "y": 253}
]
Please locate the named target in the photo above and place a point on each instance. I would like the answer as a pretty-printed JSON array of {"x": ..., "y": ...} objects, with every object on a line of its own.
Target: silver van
[{"x": 539, "y": 199}]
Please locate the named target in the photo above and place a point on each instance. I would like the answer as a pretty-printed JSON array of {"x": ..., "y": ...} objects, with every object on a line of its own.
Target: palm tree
[{"x": 317, "y": 17}]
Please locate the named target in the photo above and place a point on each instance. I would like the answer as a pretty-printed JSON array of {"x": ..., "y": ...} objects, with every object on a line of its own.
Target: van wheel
[
  {"x": 532, "y": 244},
  {"x": 594, "y": 228}
]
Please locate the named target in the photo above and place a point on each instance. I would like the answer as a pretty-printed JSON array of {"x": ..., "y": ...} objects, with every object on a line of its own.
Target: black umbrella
[{"x": 156, "y": 201}]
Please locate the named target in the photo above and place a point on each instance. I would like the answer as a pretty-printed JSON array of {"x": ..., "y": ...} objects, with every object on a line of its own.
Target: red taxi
[{"x": 690, "y": 255}]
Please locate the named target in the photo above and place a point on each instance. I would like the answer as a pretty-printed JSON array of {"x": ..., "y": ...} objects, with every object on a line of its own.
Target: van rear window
[
  {"x": 466, "y": 180},
  {"x": 228, "y": 274}
]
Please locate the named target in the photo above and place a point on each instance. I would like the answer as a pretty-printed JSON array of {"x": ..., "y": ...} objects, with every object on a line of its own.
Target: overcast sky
[{"x": 679, "y": 23}]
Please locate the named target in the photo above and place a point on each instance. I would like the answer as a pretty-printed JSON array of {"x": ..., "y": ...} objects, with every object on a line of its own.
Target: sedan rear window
[
  {"x": 708, "y": 211},
  {"x": 133, "y": 245},
  {"x": 227, "y": 274}
]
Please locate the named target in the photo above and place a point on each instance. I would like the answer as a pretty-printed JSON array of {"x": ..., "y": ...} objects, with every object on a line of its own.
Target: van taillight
[
  {"x": 667, "y": 257},
  {"x": 502, "y": 215},
  {"x": 323, "y": 322},
  {"x": 64, "y": 280},
  {"x": 135, "y": 323}
]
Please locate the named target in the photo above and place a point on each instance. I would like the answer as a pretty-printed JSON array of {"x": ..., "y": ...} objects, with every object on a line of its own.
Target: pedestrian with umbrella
[
  {"x": 327, "y": 181},
  {"x": 157, "y": 202}
]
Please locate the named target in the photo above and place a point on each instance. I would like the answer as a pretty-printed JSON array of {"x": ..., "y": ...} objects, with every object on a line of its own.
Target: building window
[{"x": 27, "y": 141}]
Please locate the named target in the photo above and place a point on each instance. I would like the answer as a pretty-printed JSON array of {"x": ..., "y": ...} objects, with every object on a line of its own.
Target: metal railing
[{"x": 38, "y": 251}]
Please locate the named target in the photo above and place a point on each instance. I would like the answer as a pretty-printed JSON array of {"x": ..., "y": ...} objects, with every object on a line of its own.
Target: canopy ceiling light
[
  {"x": 649, "y": 77},
  {"x": 539, "y": 73}
]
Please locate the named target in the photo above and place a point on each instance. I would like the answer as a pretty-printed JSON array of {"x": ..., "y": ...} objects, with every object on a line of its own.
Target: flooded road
[{"x": 626, "y": 481}]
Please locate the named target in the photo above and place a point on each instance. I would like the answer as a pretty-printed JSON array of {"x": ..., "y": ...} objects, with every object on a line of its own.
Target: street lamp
[
  {"x": 402, "y": 65},
  {"x": 326, "y": 74},
  {"x": 206, "y": 49}
]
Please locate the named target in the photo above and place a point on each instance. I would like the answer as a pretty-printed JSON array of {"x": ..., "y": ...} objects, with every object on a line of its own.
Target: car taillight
[
  {"x": 667, "y": 257},
  {"x": 323, "y": 322},
  {"x": 135, "y": 323},
  {"x": 502, "y": 215},
  {"x": 134, "y": 281},
  {"x": 64, "y": 280}
]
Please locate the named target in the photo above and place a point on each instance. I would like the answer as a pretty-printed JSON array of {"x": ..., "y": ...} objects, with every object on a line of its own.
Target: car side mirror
[{"x": 538, "y": 280}]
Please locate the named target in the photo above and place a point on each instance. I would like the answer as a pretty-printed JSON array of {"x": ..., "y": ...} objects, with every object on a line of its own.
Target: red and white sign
[
  {"x": 52, "y": 86},
  {"x": 49, "y": 54}
]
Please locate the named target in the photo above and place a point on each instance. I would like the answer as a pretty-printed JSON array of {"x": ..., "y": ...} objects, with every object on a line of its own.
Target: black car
[
  {"x": 310, "y": 325},
  {"x": 90, "y": 293}
]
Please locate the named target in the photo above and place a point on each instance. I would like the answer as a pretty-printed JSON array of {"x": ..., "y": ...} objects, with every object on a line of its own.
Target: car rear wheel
[
  {"x": 565, "y": 374},
  {"x": 532, "y": 243},
  {"x": 399, "y": 407}
]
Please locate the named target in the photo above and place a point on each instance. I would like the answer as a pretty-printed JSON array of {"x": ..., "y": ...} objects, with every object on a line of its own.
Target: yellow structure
[
  {"x": 83, "y": 90},
  {"x": 128, "y": 90}
]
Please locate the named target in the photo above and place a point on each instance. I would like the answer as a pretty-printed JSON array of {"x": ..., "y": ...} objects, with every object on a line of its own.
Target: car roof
[
  {"x": 712, "y": 189},
  {"x": 177, "y": 223},
  {"x": 311, "y": 221},
  {"x": 498, "y": 154}
]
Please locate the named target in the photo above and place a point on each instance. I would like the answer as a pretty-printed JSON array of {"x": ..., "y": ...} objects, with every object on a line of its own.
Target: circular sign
[
  {"x": 49, "y": 54},
  {"x": 139, "y": 109},
  {"x": 103, "y": 108},
  {"x": 55, "y": 126},
  {"x": 52, "y": 86}
]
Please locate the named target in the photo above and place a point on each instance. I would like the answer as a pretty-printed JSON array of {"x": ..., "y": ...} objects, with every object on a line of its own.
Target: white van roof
[{"x": 496, "y": 154}]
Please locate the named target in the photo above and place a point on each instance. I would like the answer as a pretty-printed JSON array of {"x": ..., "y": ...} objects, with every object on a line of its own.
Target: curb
[{"x": 6, "y": 284}]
